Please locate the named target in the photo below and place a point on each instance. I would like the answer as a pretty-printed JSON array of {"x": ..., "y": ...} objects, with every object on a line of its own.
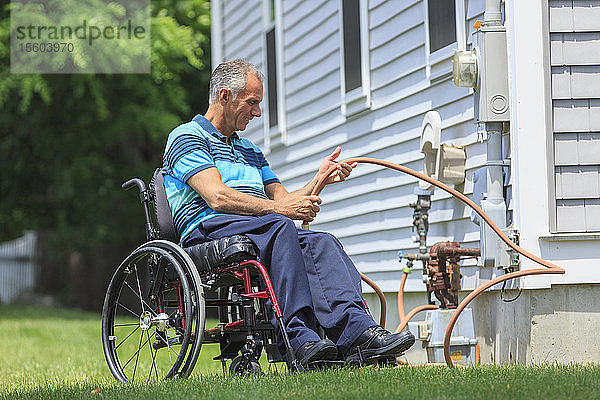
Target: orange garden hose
[
  {"x": 550, "y": 267},
  {"x": 403, "y": 317},
  {"x": 382, "y": 302},
  {"x": 401, "y": 312}
]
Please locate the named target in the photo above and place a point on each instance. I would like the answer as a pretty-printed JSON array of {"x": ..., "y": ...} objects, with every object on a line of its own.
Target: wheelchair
[{"x": 154, "y": 311}]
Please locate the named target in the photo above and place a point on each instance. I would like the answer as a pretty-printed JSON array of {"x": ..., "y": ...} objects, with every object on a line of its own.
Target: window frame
[
  {"x": 432, "y": 58},
  {"x": 268, "y": 24},
  {"x": 358, "y": 99}
]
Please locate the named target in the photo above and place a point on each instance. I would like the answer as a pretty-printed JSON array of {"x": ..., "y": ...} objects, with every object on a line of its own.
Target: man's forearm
[
  {"x": 221, "y": 198},
  {"x": 231, "y": 201},
  {"x": 307, "y": 189}
]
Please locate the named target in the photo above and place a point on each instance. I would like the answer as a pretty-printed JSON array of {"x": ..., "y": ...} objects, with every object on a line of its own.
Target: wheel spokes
[
  {"x": 153, "y": 355},
  {"x": 128, "y": 336},
  {"x": 137, "y": 278},
  {"x": 166, "y": 341},
  {"x": 133, "y": 313},
  {"x": 142, "y": 301},
  {"x": 138, "y": 356},
  {"x": 137, "y": 352}
]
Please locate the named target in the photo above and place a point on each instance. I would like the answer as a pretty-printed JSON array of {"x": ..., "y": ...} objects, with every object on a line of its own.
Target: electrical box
[
  {"x": 491, "y": 94},
  {"x": 493, "y": 249},
  {"x": 494, "y": 252},
  {"x": 432, "y": 330},
  {"x": 451, "y": 167}
]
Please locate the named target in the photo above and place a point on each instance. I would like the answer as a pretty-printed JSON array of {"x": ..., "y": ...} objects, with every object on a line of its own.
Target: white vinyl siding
[
  {"x": 243, "y": 37},
  {"x": 369, "y": 212},
  {"x": 312, "y": 63},
  {"x": 575, "y": 70}
]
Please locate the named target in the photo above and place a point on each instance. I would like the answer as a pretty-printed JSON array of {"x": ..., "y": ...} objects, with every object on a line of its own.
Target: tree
[{"x": 67, "y": 142}]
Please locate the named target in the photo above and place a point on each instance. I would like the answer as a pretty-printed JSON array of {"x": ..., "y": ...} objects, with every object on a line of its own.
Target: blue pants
[{"x": 314, "y": 279}]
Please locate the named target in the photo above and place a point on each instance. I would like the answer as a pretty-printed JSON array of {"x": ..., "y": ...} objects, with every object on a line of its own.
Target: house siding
[
  {"x": 575, "y": 70},
  {"x": 242, "y": 36},
  {"x": 369, "y": 213},
  {"x": 553, "y": 66}
]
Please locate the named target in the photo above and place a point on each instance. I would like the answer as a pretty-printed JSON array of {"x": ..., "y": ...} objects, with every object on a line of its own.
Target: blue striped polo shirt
[{"x": 197, "y": 145}]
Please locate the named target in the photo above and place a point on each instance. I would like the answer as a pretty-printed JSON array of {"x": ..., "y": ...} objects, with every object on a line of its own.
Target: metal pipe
[
  {"x": 495, "y": 182},
  {"x": 493, "y": 12},
  {"x": 403, "y": 317}
]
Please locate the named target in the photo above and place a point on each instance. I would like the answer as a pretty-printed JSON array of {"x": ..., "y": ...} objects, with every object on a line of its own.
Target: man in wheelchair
[{"x": 219, "y": 184}]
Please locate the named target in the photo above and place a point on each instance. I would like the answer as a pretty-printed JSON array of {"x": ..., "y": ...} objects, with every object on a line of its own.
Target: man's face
[{"x": 246, "y": 106}]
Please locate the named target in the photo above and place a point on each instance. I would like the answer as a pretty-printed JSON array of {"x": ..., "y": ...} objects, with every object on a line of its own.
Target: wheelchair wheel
[
  {"x": 198, "y": 303},
  {"x": 241, "y": 365},
  {"x": 148, "y": 317}
]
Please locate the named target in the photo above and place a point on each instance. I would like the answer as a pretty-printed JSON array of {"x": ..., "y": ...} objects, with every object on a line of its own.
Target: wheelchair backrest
[{"x": 166, "y": 227}]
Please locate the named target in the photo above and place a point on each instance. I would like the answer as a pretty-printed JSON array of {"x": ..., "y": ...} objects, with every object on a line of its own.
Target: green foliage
[
  {"x": 80, "y": 24},
  {"x": 67, "y": 142}
]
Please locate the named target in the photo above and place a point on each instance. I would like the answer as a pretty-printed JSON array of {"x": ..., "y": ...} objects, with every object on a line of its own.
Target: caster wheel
[
  {"x": 387, "y": 362},
  {"x": 241, "y": 365}
]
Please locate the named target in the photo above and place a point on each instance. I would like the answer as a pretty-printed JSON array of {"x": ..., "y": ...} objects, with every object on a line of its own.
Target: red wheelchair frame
[{"x": 157, "y": 294}]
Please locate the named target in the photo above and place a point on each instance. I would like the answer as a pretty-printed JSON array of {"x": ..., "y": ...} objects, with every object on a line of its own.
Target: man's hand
[
  {"x": 341, "y": 172},
  {"x": 299, "y": 207},
  {"x": 300, "y": 204}
]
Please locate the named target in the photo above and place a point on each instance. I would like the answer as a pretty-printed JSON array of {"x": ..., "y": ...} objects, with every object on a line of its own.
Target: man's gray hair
[{"x": 231, "y": 75}]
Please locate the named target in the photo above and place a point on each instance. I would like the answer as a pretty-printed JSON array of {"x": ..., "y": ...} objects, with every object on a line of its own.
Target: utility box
[
  {"x": 431, "y": 332},
  {"x": 493, "y": 249},
  {"x": 491, "y": 94},
  {"x": 443, "y": 162},
  {"x": 451, "y": 167}
]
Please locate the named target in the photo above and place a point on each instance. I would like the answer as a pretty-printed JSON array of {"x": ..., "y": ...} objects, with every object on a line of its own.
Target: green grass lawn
[{"x": 50, "y": 353}]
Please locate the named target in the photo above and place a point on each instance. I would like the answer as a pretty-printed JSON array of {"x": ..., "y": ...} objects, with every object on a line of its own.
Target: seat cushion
[{"x": 222, "y": 252}]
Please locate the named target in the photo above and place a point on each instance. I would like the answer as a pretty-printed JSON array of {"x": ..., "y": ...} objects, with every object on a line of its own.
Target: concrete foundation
[{"x": 557, "y": 325}]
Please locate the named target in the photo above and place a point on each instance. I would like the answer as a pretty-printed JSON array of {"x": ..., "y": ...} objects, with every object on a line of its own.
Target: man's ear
[{"x": 224, "y": 95}]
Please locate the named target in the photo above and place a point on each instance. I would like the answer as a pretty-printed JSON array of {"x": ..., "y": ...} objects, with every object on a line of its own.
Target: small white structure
[
  {"x": 18, "y": 266},
  {"x": 363, "y": 74}
]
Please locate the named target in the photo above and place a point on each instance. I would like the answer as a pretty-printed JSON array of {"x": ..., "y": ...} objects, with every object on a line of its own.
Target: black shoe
[
  {"x": 376, "y": 343},
  {"x": 311, "y": 352}
]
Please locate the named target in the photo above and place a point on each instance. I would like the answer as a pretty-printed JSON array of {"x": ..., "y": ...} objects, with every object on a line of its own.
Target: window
[
  {"x": 354, "y": 53},
  {"x": 441, "y": 23},
  {"x": 272, "y": 77},
  {"x": 274, "y": 105},
  {"x": 352, "y": 57}
]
